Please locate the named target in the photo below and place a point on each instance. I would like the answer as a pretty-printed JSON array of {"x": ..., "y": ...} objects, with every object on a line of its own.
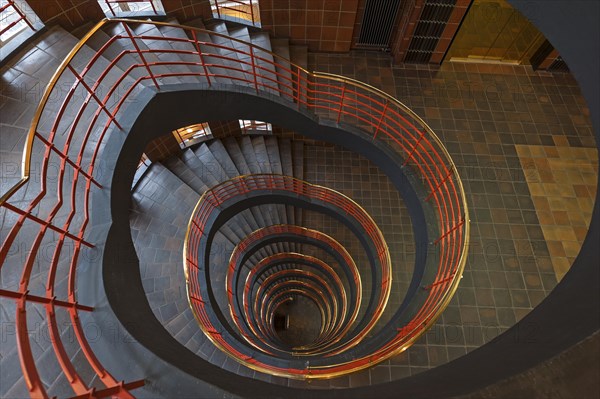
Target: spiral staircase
[{"x": 193, "y": 275}]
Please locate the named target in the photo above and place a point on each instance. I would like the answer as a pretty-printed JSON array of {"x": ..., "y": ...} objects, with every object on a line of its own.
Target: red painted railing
[
  {"x": 244, "y": 10},
  {"x": 117, "y": 3},
  {"x": 20, "y": 16},
  {"x": 277, "y": 230},
  {"x": 210, "y": 203},
  {"x": 68, "y": 133},
  {"x": 323, "y": 268}
]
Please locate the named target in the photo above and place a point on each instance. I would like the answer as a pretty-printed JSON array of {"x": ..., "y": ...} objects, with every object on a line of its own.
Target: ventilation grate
[
  {"x": 559, "y": 65},
  {"x": 429, "y": 30},
  {"x": 378, "y": 24},
  {"x": 540, "y": 55}
]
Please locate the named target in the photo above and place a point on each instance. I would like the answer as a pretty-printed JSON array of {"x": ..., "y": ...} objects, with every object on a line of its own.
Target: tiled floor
[
  {"x": 524, "y": 148},
  {"x": 494, "y": 120},
  {"x": 562, "y": 181}
]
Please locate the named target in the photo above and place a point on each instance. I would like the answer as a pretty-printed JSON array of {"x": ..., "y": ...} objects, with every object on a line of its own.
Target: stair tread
[
  {"x": 299, "y": 55},
  {"x": 298, "y": 162},
  {"x": 281, "y": 47},
  {"x": 237, "y": 157},
  {"x": 285, "y": 147},
  {"x": 223, "y": 157},
  {"x": 213, "y": 165},
  {"x": 233, "y": 57},
  {"x": 249, "y": 154},
  {"x": 149, "y": 58},
  {"x": 179, "y": 168},
  {"x": 178, "y": 33},
  {"x": 271, "y": 143},
  {"x": 237, "y": 154},
  {"x": 211, "y": 172},
  {"x": 260, "y": 151},
  {"x": 205, "y": 43},
  {"x": 266, "y": 68}
]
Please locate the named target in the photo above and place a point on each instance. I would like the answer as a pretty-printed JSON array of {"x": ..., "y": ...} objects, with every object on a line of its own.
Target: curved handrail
[
  {"x": 276, "y": 230},
  {"x": 210, "y": 202},
  {"x": 331, "y": 96}
]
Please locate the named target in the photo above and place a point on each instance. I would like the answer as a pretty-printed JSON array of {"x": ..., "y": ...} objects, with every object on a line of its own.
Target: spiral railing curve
[{"x": 54, "y": 213}]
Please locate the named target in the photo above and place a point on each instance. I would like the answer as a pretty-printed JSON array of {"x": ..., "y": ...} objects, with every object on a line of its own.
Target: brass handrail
[{"x": 28, "y": 147}]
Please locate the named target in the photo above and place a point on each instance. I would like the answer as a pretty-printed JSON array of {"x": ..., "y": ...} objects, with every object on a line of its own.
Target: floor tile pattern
[
  {"x": 562, "y": 181},
  {"x": 483, "y": 114}
]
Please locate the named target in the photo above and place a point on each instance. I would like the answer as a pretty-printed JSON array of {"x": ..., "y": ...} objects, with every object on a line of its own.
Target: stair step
[
  {"x": 207, "y": 47},
  {"x": 265, "y": 64},
  {"x": 231, "y": 58},
  {"x": 285, "y": 151},
  {"x": 281, "y": 47},
  {"x": 179, "y": 168},
  {"x": 273, "y": 154},
  {"x": 262, "y": 159},
  {"x": 148, "y": 58},
  {"x": 234, "y": 151},
  {"x": 244, "y": 51},
  {"x": 178, "y": 33},
  {"x": 211, "y": 172},
  {"x": 262, "y": 156},
  {"x": 149, "y": 30},
  {"x": 275, "y": 163},
  {"x": 223, "y": 157},
  {"x": 298, "y": 161},
  {"x": 249, "y": 154},
  {"x": 159, "y": 184}
]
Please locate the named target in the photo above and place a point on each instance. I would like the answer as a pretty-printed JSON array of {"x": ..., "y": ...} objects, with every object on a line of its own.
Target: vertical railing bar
[
  {"x": 252, "y": 12},
  {"x": 153, "y": 7},
  {"x": 21, "y": 14},
  {"x": 110, "y": 8},
  {"x": 439, "y": 185},
  {"x": 137, "y": 48},
  {"x": 253, "y": 68},
  {"x": 201, "y": 56},
  {"x": 387, "y": 103},
  {"x": 412, "y": 151},
  {"x": 81, "y": 80},
  {"x": 342, "y": 103}
]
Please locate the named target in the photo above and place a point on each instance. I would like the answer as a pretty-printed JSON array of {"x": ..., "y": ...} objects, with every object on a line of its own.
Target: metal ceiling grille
[
  {"x": 378, "y": 24},
  {"x": 540, "y": 55},
  {"x": 559, "y": 65},
  {"x": 429, "y": 29}
]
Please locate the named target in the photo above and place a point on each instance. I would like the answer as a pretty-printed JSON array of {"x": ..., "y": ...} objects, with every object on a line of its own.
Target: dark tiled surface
[
  {"x": 323, "y": 25},
  {"x": 481, "y": 113},
  {"x": 356, "y": 177}
]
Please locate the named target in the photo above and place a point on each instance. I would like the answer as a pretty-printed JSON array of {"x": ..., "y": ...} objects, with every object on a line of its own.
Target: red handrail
[
  {"x": 77, "y": 143},
  {"x": 112, "y": 11},
  {"x": 276, "y": 230},
  {"x": 223, "y": 8},
  {"x": 22, "y": 17}
]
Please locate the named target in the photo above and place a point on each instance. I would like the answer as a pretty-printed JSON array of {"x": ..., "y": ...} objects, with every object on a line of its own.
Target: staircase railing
[
  {"x": 240, "y": 10},
  {"x": 68, "y": 133}
]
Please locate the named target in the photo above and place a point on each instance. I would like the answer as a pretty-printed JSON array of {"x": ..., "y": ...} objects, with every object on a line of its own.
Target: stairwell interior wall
[
  {"x": 69, "y": 14},
  {"x": 162, "y": 148},
  {"x": 222, "y": 129},
  {"x": 410, "y": 13},
  {"x": 185, "y": 10},
  {"x": 323, "y": 25},
  {"x": 458, "y": 14}
]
